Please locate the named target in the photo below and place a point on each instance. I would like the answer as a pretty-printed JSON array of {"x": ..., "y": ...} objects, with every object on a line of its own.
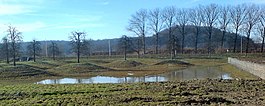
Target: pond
[{"x": 185, "y": 74}]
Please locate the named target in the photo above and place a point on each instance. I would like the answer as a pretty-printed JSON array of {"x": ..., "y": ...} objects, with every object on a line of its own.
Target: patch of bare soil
[{"x": 173, "y": 62}]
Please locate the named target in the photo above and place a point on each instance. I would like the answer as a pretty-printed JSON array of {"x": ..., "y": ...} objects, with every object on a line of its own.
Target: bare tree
[
  {"x": 156, "y": 24},
  {"x": 252, "y": 18},
  {"x": 15, "y": 37},
  {"x": 138, "y": 25},
  {"x": 262, "y": 27},
  {"x": 182, "y": 21},
  {"x": 125, "y": 44},
  {"x": 76, "y": 40},
  {"x": 196, "y": 20},
  {"x": 238, "y": 15},
  {"x": 169, "y": 14},
  {"x": 54, "y": 50},
  {"x": 260, "y": 31},
  {"x": 224, "y": 19},
  {"x": 210, "y": 14},
  {"x": 6, "y": 48},
  {"x": 34, "y": 49}
]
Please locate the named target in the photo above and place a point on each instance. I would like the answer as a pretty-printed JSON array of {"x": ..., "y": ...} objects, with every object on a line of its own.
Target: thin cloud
[
  {"x": 31, "y": 27},
  {"x": 14, "y": 7},
  {"x": 258, "y": 1},
  {"x": 105, "y": 3}
]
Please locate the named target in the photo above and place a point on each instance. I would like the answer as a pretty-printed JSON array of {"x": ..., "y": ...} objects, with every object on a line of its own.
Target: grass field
[
  {"x": 196, "y": 92},
  {"x": 17, "y": 86},
  {"x": 117, "y": 67}
]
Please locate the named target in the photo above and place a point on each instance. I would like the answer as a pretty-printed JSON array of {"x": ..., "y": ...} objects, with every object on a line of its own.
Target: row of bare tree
[
  {"x": 11, "y": 45},
  {"x": 241, "y": 19}
]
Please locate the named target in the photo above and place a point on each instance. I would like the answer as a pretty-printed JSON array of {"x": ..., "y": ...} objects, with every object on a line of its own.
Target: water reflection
[{"x": 186, "y": 74}]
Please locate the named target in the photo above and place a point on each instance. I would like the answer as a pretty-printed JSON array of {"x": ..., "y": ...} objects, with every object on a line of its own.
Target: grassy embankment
[
  {"x": 42, "y": 69},
  {"x": 26, "y": 71}
]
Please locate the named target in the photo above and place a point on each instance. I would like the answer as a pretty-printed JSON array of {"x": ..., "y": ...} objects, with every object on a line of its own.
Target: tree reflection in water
[{"x": 186, "y": 74}]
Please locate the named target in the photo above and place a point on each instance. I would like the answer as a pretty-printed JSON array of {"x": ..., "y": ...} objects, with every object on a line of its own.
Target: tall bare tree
[
  {"x": 252, "y": 18},
  {"x": 262, "y": 27},
  {"x": 15, "y": 37},
  {"x": 182, "y": 21},
  {"x": 169, "y": 14},
  {"x": 224, "y": 19},
  {"x": 6, "y": 48},
  {"x": 76, "y": 40},
  {"x": 138, "y": 25},
  {"x": 156, "y": 23},
  {"x": 210, "y": 14},
  {"x": 34, "y": 49},
  {"x": 196, "y": 20},
  {"x": 125, "y": 44},
  {"x": 54, "y": 49},
  {"x": 260, "y": 30},
  {"x": 238, "y": 15}
]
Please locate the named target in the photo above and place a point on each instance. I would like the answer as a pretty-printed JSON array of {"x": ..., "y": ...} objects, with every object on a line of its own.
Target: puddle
[{"x": 186, "y": 74}]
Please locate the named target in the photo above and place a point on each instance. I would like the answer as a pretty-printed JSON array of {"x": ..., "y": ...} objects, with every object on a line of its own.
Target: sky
[{"x": 100, "y": 19}]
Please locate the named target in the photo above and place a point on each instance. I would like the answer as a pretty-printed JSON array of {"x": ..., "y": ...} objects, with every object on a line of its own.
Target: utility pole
[{"x": 109, "y": 49}]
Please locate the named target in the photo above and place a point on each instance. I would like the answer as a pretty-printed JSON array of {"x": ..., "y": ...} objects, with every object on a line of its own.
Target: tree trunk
[
  {"x": 125, "y": 52},
  {"x": 210, "y": 41},
  {"x": 196, "y": 40},
  {"x": 7, "y": 53},
  {"x": 183, "y": 38},
  {"x": 53, "y": 51},
  {"x": 222, "y": 42},
  {"x": 171, "y": 43},
  {"x": 78, "y": 55},
  {"x": 34, "y": 51},
  {"x": 144, "y": 44},
  {"x": 263, "y": 38},
  {"x": 235, "y": 40},
  {"x": 262, "y": 45},
  {"x": 248, "y": 35},
  {"x": 174, "y": 50},
  {"x": 14, "y": 54},
  {"x": 156, "y": 48},
  {"x": 138, "y": 48},
  {"x": 78, "y": 49}
]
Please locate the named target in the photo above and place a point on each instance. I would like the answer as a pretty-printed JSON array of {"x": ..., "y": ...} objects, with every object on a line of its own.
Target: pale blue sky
[{"x": 101, "y": 19}]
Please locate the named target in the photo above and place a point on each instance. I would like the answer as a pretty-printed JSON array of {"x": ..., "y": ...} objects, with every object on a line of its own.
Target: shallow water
[{"x": 185, "y": 74}]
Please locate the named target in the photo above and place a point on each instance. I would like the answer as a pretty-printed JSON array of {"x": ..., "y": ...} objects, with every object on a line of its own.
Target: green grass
[
  {"x": 197, "y": 92},
  {"x": 226, "y": 67},
  {"x": 17, "y": 88},
  {"x": 78, "y": 69},
  {"x": 237, "y": 73},
  {"x": 117, "y": 67}
]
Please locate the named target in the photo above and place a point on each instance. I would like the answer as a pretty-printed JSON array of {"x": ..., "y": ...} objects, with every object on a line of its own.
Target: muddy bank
[{"x": 251, "y": 67}]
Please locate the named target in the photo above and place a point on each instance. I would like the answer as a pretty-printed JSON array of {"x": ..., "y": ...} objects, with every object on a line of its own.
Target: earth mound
[
  {"x": 174, "y": 62},
  {"x": 125, "y": 64},
  {"x": 22, "y": 71},
  {"x": 77, "y": 68}
]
